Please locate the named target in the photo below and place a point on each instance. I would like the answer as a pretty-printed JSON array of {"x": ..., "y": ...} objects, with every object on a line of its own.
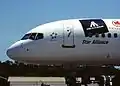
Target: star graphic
[{"x": 53, "y": 35}]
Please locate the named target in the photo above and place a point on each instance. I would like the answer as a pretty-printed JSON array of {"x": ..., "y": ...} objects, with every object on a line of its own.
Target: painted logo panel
[
  {"x": 93, "y": 26},
  {"x": 116, "y": 23}
]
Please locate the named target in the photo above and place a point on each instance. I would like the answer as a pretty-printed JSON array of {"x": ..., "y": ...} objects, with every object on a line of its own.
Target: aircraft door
[{"x": 68, "y": 36}]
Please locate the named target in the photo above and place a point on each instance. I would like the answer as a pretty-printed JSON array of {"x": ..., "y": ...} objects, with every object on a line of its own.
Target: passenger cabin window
[
  {"x": 109, "y": 35},
  {"x": 33, "y": 36},
  {"x": 115, "y": 35},
  {"x": 103, "y": 35}
]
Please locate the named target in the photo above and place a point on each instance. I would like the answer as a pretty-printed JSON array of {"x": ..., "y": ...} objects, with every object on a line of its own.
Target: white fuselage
[{"x": 74, "y": 41}]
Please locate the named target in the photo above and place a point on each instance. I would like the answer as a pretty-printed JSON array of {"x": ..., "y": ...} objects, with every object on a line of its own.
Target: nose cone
[{"x": 13, "y": 51}]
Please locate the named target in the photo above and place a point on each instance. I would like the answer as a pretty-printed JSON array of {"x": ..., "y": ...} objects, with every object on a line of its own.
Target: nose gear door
[{"x": 68, "y": 36}]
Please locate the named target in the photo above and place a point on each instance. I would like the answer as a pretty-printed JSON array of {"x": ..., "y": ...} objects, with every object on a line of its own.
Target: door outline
[{"x": 68, "y": 36}]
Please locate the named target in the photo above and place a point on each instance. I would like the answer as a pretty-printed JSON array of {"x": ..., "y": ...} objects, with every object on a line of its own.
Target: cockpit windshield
[{"x": 33, "y": 36}]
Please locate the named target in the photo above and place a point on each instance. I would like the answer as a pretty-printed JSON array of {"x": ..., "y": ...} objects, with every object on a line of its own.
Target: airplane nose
[
  {"x": 10, "y": 52},
  {"x": 13, "y": 51}
]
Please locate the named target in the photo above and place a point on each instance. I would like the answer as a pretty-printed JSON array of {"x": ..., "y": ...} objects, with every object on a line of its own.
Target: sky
[{"x": 19, "y": 16}]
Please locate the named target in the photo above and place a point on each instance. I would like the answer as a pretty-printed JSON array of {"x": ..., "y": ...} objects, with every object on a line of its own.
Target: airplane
[{"x": 88, "y": 41}]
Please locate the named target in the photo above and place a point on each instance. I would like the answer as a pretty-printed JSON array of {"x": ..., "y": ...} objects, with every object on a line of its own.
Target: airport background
[{"x": 10, "y": 68}]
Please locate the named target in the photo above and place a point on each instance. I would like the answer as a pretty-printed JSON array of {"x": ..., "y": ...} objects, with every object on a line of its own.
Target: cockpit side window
[
  {"x": 39, "y": 36},
  {"x": 33, "y": 35}
]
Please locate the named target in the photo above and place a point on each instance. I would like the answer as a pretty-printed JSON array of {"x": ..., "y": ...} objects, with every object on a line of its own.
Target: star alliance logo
[
  {"x": 53, "y": 36},
  {"x": 94, "y": 25}
]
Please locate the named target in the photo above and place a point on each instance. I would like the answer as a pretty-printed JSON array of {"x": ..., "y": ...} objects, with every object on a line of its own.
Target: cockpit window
[
  {"x": 39, "y": 36},
  {"x": 33, "y": 36},
  {"x": 26, "y": 36}
]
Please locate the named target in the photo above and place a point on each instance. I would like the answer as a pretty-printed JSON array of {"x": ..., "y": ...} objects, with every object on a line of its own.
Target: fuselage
[{"x": 73, "y": 41}]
